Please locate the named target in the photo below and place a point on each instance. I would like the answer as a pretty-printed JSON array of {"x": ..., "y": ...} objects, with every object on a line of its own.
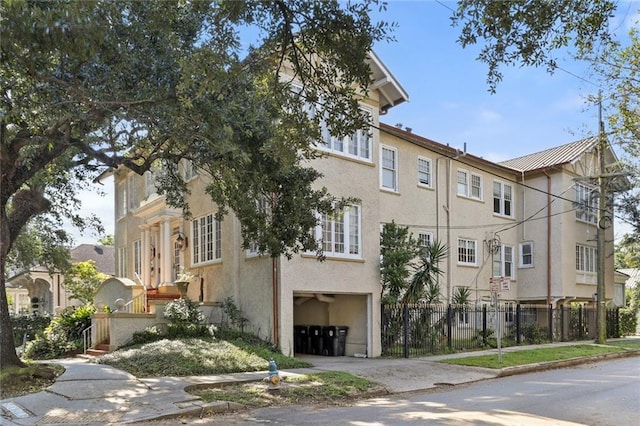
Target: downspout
[
  {"x": 448, "y": 230},
  {"x": 524, "y": 209},
  {"x": 274, "y": 282},
  {"x": 548, "y": 237}
]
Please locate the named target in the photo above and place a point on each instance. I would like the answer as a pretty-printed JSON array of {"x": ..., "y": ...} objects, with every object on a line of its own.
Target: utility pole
[{"x": 601, "y": 318}]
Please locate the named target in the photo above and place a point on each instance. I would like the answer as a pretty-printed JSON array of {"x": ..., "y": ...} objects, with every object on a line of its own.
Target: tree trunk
[{"x": 8, "y": 355}]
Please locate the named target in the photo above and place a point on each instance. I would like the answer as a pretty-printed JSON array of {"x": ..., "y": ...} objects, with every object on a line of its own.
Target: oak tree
[{"x": 89, "y": 85}]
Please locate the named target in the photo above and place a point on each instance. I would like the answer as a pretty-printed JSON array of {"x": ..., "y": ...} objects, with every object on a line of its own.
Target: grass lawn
[
  {"x": 318, "y": 388},
  {"x": 532, "y": 356}
]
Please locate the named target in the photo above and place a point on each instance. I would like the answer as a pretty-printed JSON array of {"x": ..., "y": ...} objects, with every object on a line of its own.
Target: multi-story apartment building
[{"x": 528, "y": 220}]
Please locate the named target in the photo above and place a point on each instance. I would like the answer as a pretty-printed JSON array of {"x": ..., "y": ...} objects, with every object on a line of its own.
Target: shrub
[
  {"x": 31, "y": 325},
  {"x": 185, "y": 320},
  {"x": 628, "y": 321},
  {"x": 62, "y": 336},
  {"x": 183, "y": 311}
]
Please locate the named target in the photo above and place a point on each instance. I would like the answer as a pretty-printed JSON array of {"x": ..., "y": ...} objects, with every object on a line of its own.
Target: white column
[
  {"x": 165, "y": 238},
  {"x": 146, "y": 258}
]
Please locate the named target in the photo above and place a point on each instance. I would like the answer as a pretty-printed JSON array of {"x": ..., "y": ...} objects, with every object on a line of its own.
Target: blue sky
[{"x": 449, "y": 98}]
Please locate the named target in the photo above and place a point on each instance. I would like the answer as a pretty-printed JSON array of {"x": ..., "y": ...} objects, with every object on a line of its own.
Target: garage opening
[{"x": 330, "y": 324}]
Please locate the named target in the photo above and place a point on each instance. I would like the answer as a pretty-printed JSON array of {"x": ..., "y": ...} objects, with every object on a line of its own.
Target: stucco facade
[{"x": 497, "y": 220}]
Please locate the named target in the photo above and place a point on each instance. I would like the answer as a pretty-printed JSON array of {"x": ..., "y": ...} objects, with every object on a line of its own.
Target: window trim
[
  {"x": 586, "y": 208},
  {"x": 501, "y": 260},
  {"x": 521, "y": 255},
  {"x": 502, "y": 199},
  {"x": 468, "y": 184},
  {"x": 475, "y": 251},
  {"x": 582, "y": 258},
  {"x": 429, "y": 163},
  {"x": 201, "y": 246},
  {"x": 394, "y": 170},
  {"x": 122, "y": 261},
  {"x": 429, "y": 240},
  {"x": 137, "y": 257},
  {"x": 348, "y": 227}
]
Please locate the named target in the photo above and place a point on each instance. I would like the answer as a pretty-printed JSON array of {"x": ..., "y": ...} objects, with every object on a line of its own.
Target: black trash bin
[
  {"x": 335, "y": 340},
  {"x": 301, "y": 339},
  {"x": 317, "y": 340}
]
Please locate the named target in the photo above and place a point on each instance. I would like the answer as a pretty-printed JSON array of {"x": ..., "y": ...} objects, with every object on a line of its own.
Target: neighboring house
[
  {"x": 37, "y": 290},
  {"x": 632, "y": 280},
  {"x": 496, "y": 220}
]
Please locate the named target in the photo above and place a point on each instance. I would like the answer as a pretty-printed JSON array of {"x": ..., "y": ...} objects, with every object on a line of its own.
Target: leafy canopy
[{"x": 89, "y": 85}]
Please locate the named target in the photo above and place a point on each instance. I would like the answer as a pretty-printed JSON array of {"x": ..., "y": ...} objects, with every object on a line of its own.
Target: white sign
[{"x": 505, "y": 284}]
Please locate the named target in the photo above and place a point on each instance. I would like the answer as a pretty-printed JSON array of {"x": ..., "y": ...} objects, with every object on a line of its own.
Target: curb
[{"x": 549, "y": 365}]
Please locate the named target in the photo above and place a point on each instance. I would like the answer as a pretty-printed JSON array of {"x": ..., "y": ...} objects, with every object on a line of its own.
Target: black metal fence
[{"x": 424, "y": 329}]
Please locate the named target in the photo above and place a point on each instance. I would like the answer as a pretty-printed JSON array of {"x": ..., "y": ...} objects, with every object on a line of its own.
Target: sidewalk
[{"x": 98, "y": 394}]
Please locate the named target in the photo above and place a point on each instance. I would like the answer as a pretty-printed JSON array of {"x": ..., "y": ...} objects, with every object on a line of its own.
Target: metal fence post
[
  {"x": 449, "y": 325},
  {"x": 484, "y": 325},
  {"x": 550, "y": 324},
  {"x": 518, "y": 331},
  {"x": 405, "y": 328}
]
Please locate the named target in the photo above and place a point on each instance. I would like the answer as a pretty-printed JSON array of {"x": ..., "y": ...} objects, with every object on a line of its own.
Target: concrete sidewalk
[{"x": 90, "y": 393}]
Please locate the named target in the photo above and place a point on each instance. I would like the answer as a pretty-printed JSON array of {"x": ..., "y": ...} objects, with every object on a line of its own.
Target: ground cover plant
[
  {"x": 32, "y": 378},
  {"x": 318, "y": 388}
]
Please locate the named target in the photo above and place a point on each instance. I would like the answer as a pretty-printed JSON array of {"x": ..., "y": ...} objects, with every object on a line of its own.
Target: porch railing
[
  {"x": 137, "y": 305},
  {"x": 98, "y": 332}
]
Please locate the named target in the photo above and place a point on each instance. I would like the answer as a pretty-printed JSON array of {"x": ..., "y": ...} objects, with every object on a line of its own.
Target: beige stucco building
[
  {"x": 42, "y": 291},
  {"x": 521, "y": 222}
]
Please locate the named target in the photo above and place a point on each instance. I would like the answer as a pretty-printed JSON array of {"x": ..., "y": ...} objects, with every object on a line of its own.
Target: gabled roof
[
  {"x": 556, "y": 156},
  {"x": 634, "y": 276},
  {"x": 391, "y": 92},
  {"x": 103, "y": 256}
]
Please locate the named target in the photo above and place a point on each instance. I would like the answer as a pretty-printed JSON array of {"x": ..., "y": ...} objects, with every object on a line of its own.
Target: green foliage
[
  {"x": 43, "y": 243},
  {"x": 534, "y": 334},
  {"x": 628, "y": 321},
  {"x": 188, "y": 357},
  {"x": 82, "y": 280},
  {"x": 398, "y": 248},
  {"x": 233, "y": 314},
  {"x": 62, "y": 336},
  {"x": 461, "y": 296},
  {"x": 528, "y": 32},
  {"x": 31, "y": 325},
  {"x": 90, "y": 85},
  {"x": 183, "y": 311},
  {"x": 627, "y": 253},
  {"x": 185, "y": 320},
  {"x": 107, "y": 240},
  {"x": 424, "y": 284}
]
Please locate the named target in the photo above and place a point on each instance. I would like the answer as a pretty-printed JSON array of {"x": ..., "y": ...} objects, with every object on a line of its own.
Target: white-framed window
[
  {"x": 463, "y": 315},
  {"x": 122, "y": 261},
  {"x": 503, "y": 262},
  {"x": 189, "y": 170},
  {"x": 425, "y": 172},
  {"x": 340, "y": 234},
  {"x": 586, "y": 258},
  {"x": 263, "y": 205},
  {"x": 425, "y": 239},
  {"x": 206, "y": 239},
  {"x": 132, "y": 192},
  {"x": 586, "y": 203},
  {"x": 176, "y": 263},
  {"x": 121, "y": 199},
  {"x": 526, "y": 254},
  {"x": 150, "y": 179},
  {"x": 356, "y": 145},
  {"x": 503, "y": 199},
  {"x": 469, "y": 184},
  {"x": 137, "y": 257},
  {"x": 467, "y": 252},
  {"x": 389, "y": 168}
]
